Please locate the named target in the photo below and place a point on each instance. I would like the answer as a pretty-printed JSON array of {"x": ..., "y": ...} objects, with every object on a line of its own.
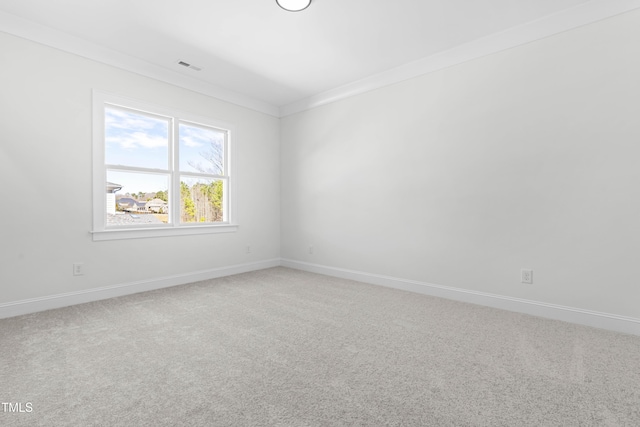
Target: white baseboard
[
  {"x": 607, "y": 321},
  {"x": 612, "y": 322},
  {"x": 34, "y": 305}
]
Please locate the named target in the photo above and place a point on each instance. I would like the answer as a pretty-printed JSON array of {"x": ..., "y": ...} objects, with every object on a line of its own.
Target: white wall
[
  {"x": 45, "y": 177},
  {"x": 525, "y": 158}
]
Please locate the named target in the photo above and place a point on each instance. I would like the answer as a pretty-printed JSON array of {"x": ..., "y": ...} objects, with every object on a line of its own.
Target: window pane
[
  {"x": 201, "y": 149},
  {"x": 137, "y": 198},
  {"x": 201, "y": 200},
  {"x": 136, "y": 139}
]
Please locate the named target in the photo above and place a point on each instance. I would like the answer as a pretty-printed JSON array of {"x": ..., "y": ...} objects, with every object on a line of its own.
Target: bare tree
[
  {"x": 203, "y": 202},
  {"x": 214, "y": 157}
]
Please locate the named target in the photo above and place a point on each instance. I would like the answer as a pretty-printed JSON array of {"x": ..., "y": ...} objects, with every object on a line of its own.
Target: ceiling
[{"x": 254, "y": 50}]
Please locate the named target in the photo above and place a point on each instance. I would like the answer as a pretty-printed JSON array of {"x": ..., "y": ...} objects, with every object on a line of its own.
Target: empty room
[{"x": 319, "y": 213}]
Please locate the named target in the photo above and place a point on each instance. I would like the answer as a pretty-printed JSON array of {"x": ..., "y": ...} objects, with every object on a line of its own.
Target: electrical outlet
[
  {"x": 78, "y": 269},
  {"x": 526, "y": 275},
  {"x": 311, "y": 249},
  {"x": 248, "y": 249}
]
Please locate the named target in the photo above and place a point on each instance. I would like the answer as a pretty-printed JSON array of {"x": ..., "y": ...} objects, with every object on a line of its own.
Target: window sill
[{"x": 143, "y": 233}]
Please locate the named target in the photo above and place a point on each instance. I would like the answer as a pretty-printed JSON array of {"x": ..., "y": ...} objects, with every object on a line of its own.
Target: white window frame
[{"x": 100, "y": 229}]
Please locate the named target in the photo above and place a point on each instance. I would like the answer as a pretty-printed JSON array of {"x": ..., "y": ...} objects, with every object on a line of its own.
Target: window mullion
[
  {"x": 202, "y": 175},
  {"x": 136, "y": 169}
]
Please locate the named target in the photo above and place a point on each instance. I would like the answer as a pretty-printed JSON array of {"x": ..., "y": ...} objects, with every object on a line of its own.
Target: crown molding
[
  {"x": 565, "y": 20},
  {"x": 568, "y": 19},
  {"x": 17, "y": 26}
]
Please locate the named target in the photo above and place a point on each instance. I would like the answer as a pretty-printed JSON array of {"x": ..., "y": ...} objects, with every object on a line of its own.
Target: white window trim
[{"x": 100, "y": 231}]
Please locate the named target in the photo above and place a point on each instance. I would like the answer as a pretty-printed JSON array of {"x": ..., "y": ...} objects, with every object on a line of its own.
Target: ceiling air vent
[{"x": 186, "y": 64}]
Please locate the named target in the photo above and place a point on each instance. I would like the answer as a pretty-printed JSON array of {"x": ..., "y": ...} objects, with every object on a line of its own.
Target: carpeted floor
[{"x": 281, "y": 347}]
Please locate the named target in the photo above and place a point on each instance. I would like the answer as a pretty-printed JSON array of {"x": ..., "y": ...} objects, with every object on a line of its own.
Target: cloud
[
  {"x": 132, "y": 141},
  {"x": 191, "y": 142},
  {"x": 195, "y": 137},
  {"x": 119, "y": 119},
  {"x": 131, "y": 131}
]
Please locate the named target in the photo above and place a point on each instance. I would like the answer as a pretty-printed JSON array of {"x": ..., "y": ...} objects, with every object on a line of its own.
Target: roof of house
[
  {"x": 112, "y": 187},
  {"x": 156, "y": 202},
  {"x": 128, "y": 201}
]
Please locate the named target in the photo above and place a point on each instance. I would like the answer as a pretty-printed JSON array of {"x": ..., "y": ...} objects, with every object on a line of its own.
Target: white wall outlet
[
  {"x": 311, "y": 249},
  {"x": 248, "y": 249},
  {"x": 78, "y": 269},
  {"x": 526, "y": 275}
]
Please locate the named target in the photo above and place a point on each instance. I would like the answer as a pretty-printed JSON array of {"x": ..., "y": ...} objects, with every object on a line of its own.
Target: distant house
[
  {"x": 156, "y": 206},
  {"x": 128, "y": 204},
  {"x": 111, "y": 196}
]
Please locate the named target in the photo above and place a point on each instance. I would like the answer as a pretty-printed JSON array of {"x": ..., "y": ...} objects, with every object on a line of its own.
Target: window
[{"x": 158, "y": 172}]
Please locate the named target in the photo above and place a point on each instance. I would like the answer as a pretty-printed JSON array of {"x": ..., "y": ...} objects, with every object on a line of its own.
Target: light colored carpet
[{"x": 281, "y": 347}]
